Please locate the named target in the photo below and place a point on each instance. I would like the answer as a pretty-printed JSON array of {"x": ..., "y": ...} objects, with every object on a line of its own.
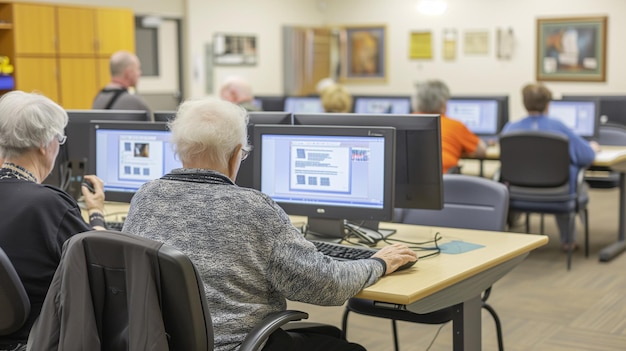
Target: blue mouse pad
[{"x": 456, "y": 247}]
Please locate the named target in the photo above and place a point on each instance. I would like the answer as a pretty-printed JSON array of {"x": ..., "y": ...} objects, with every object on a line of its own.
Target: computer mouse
[
  {"x": 86, "y": 183},
  {"x": 406, "y": 265}
]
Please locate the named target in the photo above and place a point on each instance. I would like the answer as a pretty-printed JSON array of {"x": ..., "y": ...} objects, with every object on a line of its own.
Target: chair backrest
[
  {"x": 534, "y": 159},
  {"x": 469, "y": 202},
  {"x": 14, "y": 302},
  {"x": 612, "y": 135},
  {"x": 134, "y": 284}
]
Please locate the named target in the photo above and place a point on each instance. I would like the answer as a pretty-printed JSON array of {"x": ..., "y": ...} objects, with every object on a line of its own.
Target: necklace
[{"x": 18, "y": 172}]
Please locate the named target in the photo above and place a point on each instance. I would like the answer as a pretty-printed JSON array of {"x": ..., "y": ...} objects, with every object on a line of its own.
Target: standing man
[
  {"x": 125, "y": 72},
  {"x": 238, "y": 91}
]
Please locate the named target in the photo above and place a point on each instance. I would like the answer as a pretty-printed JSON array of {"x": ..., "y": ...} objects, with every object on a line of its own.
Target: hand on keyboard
[{"x": 396, "y": 257}]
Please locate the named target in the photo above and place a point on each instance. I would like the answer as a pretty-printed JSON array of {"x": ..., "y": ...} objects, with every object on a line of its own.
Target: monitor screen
[
  {"x": 418, "y": 153},
  {"x": 483, "y": 115},
  {"x": 71, "y": 161},
  {"x": 581, "y": 116},
  {"x": 327, "y": 174},
  {"x": 270, "y": 103},
  {"x": 164, "y": 116},
  {"x": 612, "y": 107},
  {"x": 303, "y": 104},
  {"x": 128, "y": 154},
  {"x": 245, "y": 174},
  {"x": 382, "y": 104}
]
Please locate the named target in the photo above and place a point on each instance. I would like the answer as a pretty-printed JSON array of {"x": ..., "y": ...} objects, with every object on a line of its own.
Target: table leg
[
  {"x": 466, "y": 325},
  {"x": 613, "y": 250}
]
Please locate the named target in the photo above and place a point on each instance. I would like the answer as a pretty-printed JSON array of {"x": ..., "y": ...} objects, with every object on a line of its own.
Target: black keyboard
[
  {"x": 114, "y": 226},
  {"x": 343, "y": 252}
]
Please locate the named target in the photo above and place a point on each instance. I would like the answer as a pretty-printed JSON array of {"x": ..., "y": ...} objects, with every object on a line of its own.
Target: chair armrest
[{"x": 259, "y": 334}]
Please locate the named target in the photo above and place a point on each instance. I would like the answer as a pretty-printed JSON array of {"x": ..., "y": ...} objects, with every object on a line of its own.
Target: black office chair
[
  {"x": 469, "y": 202},
  {"x": 535, "y": 167},
  {"x": 136, "y": 292},
  {"x": 14, "y": 302},
  {"x": 601, "y": 178}
]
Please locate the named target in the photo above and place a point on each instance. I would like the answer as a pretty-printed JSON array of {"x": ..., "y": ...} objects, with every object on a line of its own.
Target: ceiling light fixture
[{"x": 431, "y": 7}]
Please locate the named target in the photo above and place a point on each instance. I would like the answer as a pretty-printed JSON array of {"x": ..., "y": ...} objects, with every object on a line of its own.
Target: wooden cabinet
[
  {"x": 34, "y": 28},
  {"x": 113, "y": 28},
  {"x": 63, "y": 50},
  {"x": 38, "y": 74}
]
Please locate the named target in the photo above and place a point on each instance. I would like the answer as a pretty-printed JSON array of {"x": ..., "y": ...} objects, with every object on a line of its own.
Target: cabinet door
[
  {"x": 104, "y": 72},
  {"x": 35, "y": 29},
  {"x": 37, "y": 74},
  {"x": 77, "y": 30},
  {"x": 79, "y": 84},
  {"x": 115, "y": 30}
]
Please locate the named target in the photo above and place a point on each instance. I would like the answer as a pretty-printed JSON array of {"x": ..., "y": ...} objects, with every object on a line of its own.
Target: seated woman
[
  {"x": 249, "y": 255},
  {"x": 36, "y": 219},
  {"x": 336, "y": 98}
]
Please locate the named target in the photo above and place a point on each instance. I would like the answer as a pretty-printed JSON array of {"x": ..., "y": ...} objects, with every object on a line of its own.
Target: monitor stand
[
  {"x": 76, "y": 169},
  {"x": 326, "y": 229}
]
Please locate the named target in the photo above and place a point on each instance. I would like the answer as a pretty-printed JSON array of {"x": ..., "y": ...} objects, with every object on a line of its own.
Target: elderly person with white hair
[
  {"x": 249, "y": 255},
  {"x": 238, "y": 91},
  {"x": 36, "y": 219}
]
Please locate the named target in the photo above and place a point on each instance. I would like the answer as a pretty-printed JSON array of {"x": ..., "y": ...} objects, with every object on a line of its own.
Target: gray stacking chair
[
  {"x": 609, "y": 135},
  {"x": 14, "y": 302}
]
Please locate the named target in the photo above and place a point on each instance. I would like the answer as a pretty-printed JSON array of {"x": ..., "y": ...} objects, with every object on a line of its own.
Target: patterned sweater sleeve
[{"x": 300, "y": 273}]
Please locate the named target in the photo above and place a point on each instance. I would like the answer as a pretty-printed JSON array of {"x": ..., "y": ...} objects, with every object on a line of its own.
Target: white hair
[
  {"x": 210, "y": 127},
  {"x": 432, "y": 96},
  {"x": 28, "y": 120}
]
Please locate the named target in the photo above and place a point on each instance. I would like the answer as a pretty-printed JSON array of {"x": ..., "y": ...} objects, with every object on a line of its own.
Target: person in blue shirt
[{"x": 537, "y": 99}]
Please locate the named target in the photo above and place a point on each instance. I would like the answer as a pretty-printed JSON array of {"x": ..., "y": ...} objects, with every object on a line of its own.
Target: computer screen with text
[
  {"x": 382, "y": 104},
  {"x": 481, "y": 116},
  {"x": 581, "y": 116}
]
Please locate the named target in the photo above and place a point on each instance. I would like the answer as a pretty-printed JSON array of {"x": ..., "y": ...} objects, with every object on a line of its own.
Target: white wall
[
  {"x": 481, "y": 74},
  {"x": 263, "y": 18}
]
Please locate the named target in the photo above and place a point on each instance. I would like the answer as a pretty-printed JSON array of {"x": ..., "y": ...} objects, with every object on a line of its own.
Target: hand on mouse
[
  {"x": 94, "y": 200},
  {"x": 395, "y": 256}
]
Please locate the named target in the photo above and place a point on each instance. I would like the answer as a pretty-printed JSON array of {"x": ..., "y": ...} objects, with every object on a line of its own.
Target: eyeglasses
[
  {"x": 62, "y": 139},
  {"x": 245, "y": 151}
]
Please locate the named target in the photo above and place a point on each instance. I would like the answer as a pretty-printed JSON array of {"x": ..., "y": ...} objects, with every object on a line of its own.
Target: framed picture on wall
[
  {"x": 363, "y": 54},
  {"x": 234, "y": 49},
  {"x": 571, "y": 49}
]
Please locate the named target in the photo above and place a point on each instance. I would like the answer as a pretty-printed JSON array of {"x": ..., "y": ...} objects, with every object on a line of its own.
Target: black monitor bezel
[
  {"x": 393, "y": 97},
  {"x": 429, "y": 195},
  {"x": 336, "y": 212},
  {"x": 503, "y": 109},
  {"x": 118, "y": 196},
  {"x": 271, "y": 103},
  {"x": 245, "y": 175},
  {"x": 164, "y": 116},
  {"x": 596, "y": 117}
]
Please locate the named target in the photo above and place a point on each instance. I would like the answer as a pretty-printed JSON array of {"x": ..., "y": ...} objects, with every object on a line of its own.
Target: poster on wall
[
  {"x": 476, "y": 42},
  {"x": 234, "y": 49},
  {"x": 571, "y": 49},
  {"x": 449, "y": 44},
  {"x": 363, "y": 54},
  {"x": 420, "y": 45}
]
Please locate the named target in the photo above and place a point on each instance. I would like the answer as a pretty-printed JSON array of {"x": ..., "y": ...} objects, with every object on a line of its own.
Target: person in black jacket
[{"x": 37, "y": 219}]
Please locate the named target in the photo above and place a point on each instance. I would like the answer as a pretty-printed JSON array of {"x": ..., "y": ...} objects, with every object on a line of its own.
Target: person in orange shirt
[{"x": 456, "y": 139}]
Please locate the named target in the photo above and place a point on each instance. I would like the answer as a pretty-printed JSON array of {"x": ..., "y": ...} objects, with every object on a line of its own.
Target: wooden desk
[
  {"x": 609, "y": 158},
  {"x": 453, "y": 279}
]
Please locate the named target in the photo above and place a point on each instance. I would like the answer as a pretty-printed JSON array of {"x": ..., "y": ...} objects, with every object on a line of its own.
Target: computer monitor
[
  {"x": 73, "y": 156},
  {"x": 580, "y": 115},
  {"x": 164, "y": 116},
  {"x": 612, "y": 107},
  {"x": 270, "y": 103},
  {"x": 245, "y": 174},
  {"x": 418, "y": 153},
  {"x": 125, "y": 155},
  {"x": 483, "y": 115},
  {"x": 382, "y": 104},
  {"x": 303, "y": 104},
  {"x": 327, "y": 174}
]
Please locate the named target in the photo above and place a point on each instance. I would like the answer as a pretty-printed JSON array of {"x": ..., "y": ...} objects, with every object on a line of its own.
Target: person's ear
[{"x": 234, "y": 162}]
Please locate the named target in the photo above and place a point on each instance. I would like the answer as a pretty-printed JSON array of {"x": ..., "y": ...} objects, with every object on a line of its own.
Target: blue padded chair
[
  {"x": 610, "y": 135},
  {"x": 111, "y": 260},
  {"x": 468, "y": 202},
  {"x": 535, "y": 167}
]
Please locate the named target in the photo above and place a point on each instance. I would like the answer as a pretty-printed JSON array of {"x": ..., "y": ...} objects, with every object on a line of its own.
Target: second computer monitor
[
  {"x": 245, "y": 176},
  {"x": 303, "y": 104},
  {"x": 419, "y": 181},
  {"x": 483, "y": 115},
  {"x": 612, "y": 107},
  {"x": 125, "y": 155},
  {"x": 382, "y": 104},
  {"x": 580, "y": 115}
]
